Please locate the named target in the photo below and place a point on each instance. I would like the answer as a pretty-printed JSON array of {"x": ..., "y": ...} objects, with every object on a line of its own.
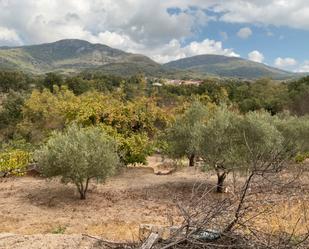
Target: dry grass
[{"x": 116, "y": 209}]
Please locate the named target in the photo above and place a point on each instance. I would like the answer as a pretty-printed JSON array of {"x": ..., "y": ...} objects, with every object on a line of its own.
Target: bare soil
[
  {"x": 114, "y": 210},
  {"x": 40, "y": 213}
]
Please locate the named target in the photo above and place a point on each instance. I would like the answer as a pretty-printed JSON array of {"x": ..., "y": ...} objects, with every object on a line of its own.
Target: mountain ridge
[
  {"x": 74, "y": 55},
  {"x": 227, "y": 66}
]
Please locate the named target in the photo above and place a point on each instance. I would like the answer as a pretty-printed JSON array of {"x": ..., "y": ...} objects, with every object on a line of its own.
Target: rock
[{"x": 207, "y": 235}]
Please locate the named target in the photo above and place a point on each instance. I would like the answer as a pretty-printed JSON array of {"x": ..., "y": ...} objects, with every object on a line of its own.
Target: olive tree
[
  {"x": 218, "y": 146},
  {"x": 78, "y": 155},
  {"x": 256, "y": 142},
  {"x": 183, "y": 136},
  {"x": 267, "y": 144}
]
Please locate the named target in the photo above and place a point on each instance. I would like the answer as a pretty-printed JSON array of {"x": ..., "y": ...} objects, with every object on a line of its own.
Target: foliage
[
  {"x": 299, "y": 96},
  {"x": 78, "y": 155},
  {"x": 51, "y": 80},
  {"x": 183, "y": 136},
  {"x": 12, "y": 80},
  {"x": 11, "y": 113},
  {"x": 134, "y": 149},
  {"x": 301, "y": 157},
  {"x": 219, "y": 142},
  {"x": 14, "y": 162},
  {"x": 256, "y": 142},
  {"x": 45, "y": 111}
]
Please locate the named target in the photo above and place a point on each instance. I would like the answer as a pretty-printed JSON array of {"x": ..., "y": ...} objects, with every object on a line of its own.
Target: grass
[{"x": 59, "y": 229}]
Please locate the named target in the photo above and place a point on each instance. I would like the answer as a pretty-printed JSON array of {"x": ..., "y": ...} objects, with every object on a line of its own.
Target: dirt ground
[
  {"x": 114, "y": 210},
  {"x": 40, "y": 213}
]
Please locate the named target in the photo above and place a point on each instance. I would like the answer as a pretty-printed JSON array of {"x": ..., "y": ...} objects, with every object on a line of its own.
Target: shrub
[
  {"x": 14, "y": 162},
  {"x": 78, "y": 155}
]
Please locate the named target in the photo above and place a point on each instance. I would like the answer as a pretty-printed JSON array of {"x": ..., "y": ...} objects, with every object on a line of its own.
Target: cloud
[
  {"x": 304, "y": 68},
  {"x": 173, "y": 50},
  {"x": 132, "y": 25},
  {"x": 285, "y": 62},
  {"x": 9, "y": 37},
  {"x": 244, "y": 33},
  {"x": 143, "y": 26},
  {"x": 293, "y": 14},
  {"x": 256, "y": 56}
]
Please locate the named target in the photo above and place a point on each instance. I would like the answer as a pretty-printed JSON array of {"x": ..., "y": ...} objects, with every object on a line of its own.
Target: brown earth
[
  {"x": 40, "y": 213},
  {"x": 114, "y": 210}
]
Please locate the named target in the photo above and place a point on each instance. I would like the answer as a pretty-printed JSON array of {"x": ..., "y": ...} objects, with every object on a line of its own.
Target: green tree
[
  {"x": 11, "y": 114},
  {"x": 78, "y": 155},
  {"x": 51, "y": 80},
  {"x": 16, "y": 81},
  {"x": 219, "y": 140},
  {"x": 256, "y": 142},
  {"x": 183, "y": 136},
  {"x": 78, "y": 85}
]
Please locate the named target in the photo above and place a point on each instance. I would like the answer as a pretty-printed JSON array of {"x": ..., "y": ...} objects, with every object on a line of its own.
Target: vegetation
[
  {"x": 78, "y": 155},
  {"x": 14, "y": 162},
  {"x": 83, "y": 126},
  {"x": 219, "y": 141},
  {"x": 183, "y": 136},
  {"x": 75, "y": 56}
]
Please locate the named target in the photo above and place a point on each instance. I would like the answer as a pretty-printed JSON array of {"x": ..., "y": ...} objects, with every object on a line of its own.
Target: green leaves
[
  {"x": 78, "y": 155},
  {"x": 183, "y": 136}
]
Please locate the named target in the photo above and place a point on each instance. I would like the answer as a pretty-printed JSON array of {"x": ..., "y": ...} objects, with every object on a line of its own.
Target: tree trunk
[
  {"x": 220, "y": 184},
  {"x": 192, "y": 160},
  {"x": 83, "y": 189},
  {"x": 83, "y": 195}
]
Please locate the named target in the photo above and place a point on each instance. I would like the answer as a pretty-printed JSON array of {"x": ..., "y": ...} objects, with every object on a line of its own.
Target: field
[{"x": 35, "y": 206}]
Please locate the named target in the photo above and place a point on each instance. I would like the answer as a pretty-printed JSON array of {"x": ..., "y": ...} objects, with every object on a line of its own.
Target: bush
[
  {"x": 79, "y": 155},
  {"x": 14, "y": 162}
]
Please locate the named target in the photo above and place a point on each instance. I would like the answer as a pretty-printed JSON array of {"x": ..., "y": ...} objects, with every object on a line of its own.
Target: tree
[
  {"x": 51, "y": 80},
  {"x": 218, "y": 144},
  {"x": 270, "y": 142},
  {"x": 183, "y": 136},
  {"x": 11, "y": 113},
  {"x": 16, "y": 81},
  {"x": 44, "y": 112},
  {"x": 78, "y": 155},
  {"x": 78, "y": 85},
  {"x": 256, "y": 142}
]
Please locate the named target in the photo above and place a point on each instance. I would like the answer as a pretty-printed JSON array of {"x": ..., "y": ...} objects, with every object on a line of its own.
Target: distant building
[
  {"x": 157, "y": 84},
  {"x": 184, "y": 82}
]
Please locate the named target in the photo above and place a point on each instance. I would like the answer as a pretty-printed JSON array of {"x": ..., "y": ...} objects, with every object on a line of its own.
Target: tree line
[{"x": 90, "y": 125}]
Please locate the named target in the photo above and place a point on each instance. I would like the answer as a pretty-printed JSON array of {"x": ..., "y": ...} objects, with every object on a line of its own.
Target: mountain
[
  {"x": 72, "y": 56},
  {"x": 224, "y": 66}
]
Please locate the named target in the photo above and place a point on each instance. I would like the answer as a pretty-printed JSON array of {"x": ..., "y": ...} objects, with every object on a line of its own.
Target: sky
[{"x": 274, "y": 32}]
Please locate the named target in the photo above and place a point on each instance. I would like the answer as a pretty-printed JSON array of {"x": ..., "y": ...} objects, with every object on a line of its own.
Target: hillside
[
  {"x": 74, "y": 55},
  {"x": 223, "y": 66},
  {"x": 71, "y": 56}
]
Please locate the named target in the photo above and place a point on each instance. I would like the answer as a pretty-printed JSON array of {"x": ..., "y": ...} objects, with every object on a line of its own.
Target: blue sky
[
  {"x": 271, "y": 41},
  {"x": 274, "y": 32}
]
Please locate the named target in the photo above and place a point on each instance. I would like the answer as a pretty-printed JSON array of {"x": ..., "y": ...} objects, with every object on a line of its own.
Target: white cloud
[
  {"x": 244, "y": 33},
  {"x": 173, "y": 50},
  {"x": 256, "y": 56},
  {"x": 285, "y": 62},
  {"x": 294, "y": 13},
  {"x": 9, "y": 36},
  {"x": 304, "y": 68},
  {"x": 142, "y": 26}
]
